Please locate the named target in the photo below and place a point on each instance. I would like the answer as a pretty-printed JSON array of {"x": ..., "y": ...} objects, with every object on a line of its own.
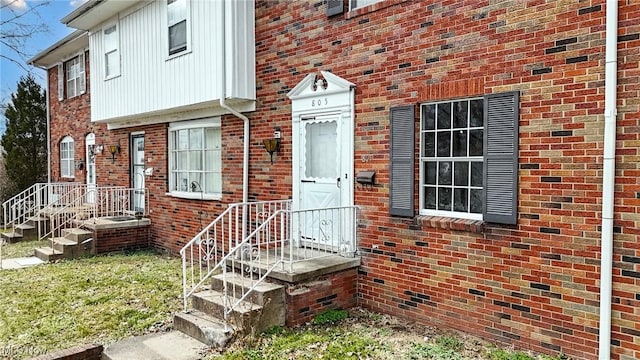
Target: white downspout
[
  {"x": 223, "y": 104},
  {"x": 608, "y": 177}
]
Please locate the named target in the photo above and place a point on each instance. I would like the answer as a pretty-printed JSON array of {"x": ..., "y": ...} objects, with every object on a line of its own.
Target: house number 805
[{"x": 319, "y": 102}]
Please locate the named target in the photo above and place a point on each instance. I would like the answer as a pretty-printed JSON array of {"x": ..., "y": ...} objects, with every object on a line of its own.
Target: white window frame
[
  {"x": 357, "y": 4},
  {"x": 67, "y": 153},
  {"x": 72, "y": 78},
  {"x": 187, "y": 19},
  {"x": 172, "y": 153},
  {"x": 111, "y": 50},
  {"x": 424, "y": 159}
]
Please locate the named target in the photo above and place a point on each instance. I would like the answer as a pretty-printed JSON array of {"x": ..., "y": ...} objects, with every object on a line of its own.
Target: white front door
[
  {"x": 137, "y": 172},
  {"x": 90, "y": 156}
]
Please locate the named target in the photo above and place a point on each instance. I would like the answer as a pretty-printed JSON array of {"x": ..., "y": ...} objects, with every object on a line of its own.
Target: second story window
[
  {"x": 177, "y": 18},
  {"x": 74, "y": 76},
  {"x": 111, "y": 53}
]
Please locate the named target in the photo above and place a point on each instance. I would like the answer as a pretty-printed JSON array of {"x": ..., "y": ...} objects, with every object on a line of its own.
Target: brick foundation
[
  {"x": 334, "y": 291},
  {"x": 121, "y": 239}
]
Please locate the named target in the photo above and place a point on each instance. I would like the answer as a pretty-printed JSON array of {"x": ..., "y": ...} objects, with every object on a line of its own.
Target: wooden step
[{"x": 204, "y": 328}]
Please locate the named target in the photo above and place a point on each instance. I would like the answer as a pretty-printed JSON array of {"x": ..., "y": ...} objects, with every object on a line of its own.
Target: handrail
[
  {"x": 215, "y": 240},
  {"x": 280, "y": 237},
  {"x": 94, "y": 203}
]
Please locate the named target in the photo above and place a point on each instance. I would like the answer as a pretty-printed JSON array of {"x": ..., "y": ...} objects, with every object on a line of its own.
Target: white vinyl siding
[
  {"x": 67, "y": 151},
  {"x": 150, "y": 82},
  {"x": 111, "y": 53},
  {"x": 195, "y": 159}
]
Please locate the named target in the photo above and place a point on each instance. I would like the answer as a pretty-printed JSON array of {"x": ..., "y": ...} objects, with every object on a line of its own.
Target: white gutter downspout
[
  {"x": 223, "y": 104},
  {"x": 608, "y": 177}
]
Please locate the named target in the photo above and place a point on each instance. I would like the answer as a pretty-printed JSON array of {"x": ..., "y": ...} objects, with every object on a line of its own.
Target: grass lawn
[
  {"x": 22, "y": 248},
  {"x": 99, "y": 299}
]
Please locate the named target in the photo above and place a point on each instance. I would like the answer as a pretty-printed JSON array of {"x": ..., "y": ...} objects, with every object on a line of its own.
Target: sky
[{"x": 50, "y": 15}]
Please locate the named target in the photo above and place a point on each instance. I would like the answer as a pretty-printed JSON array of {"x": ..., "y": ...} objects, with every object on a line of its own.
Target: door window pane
[{"x": 321, "y": 150}]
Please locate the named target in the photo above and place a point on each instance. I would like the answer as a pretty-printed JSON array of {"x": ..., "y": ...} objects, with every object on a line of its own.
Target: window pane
[
  {"x": 195, "y": 182},
  {"x": 444, "y": 199},
  {"x": 429, "y": 117},
  {"x": 64, "y": 168},
  {"x": 195, "y": 160},
  {"x": 212, "y": 138},
  {"x": 444, "y": 173},
  {"x": 182, "y": 181},
  {"x": 477, "y": 115},
  {"x": 321, "y": 147},
  {"x": 178, "y": 37},
  {"x": 111, "y": 63},
  {"x": 476, "y": 173},
  {"x": 429, "y": 143},
  {"x": 212, "y": 160},
  {"x": 213, "y": 183},
  {"x": 183, "y": 160},
  {"x": 475, "y": 142},
  {"x": 176, "y": 11},
  {"x": 460, "y": 200},
  {"x": 195, "y": 139},
  {"x": 110, "y": 39},
  {"x": 444, "y": 143},
  {"x": 183, "y": 139},
  {"x": 430, "y": 198},
  {"x": 460, "y": 114},
  {"x": 461, "y": 173},
  {"x": 460, "y": 143},
  {"x": 444, "y": 116},
  {"x": 476, "y": 201},
  {"x": 430, "y": 172}
]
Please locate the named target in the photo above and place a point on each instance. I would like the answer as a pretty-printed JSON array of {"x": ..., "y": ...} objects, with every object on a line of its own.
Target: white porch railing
[
  {"x": 278, "y": 239},
  {"x": 17, "y": 210},
  {"x": 96, "y": 203}
]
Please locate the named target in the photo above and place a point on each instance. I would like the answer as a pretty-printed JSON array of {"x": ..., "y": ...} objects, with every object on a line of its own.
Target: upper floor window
[
  {"x": 74, "y": 76},
  {"x": 67, "y": 153},
  {"x": 195, "y": 159},
  {"x": 355, "y": 4},
  {"x": 451, "y": 155},
  {"x": 111, "y": 53},
  {"x": 178, "y": 27}
]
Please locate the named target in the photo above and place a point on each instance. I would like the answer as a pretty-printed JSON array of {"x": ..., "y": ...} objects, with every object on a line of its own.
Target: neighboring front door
[
  {"x": 90, "y": 156},
  {"x": 137, "y": 173}
]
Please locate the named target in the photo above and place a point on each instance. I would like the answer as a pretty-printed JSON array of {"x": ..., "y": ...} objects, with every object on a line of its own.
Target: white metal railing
[
  {"x": 94, "y": 203},
  {"x": 17, "y": 210},
  {"x": 202, "y": 256},
  {"x": 279, "y": 239}
]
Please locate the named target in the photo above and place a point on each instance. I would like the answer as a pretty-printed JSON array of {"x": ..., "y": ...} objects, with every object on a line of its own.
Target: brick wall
[
  {"x": 121, "y": 239},
  {"x": 334, "y": 291},
  {"x": 536, "y": 284}
]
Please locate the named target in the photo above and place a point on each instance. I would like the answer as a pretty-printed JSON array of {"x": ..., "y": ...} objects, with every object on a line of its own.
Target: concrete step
[
  {"x": 39, "y": 221},
  {"x": 64, "y": 245},
  {"x": 48, "y": 254},
  {"x": 27, "y": 231},
  {"x": 11, "y": 237},
  {"x": 270, "y": 296},
  {"x": 204, "y": 328},
  {"x": 246, "y": 317},
  {"x": 77, "y": 234}
]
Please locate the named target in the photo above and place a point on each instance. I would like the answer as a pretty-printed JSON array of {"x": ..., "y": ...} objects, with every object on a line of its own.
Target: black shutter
[
  {"x": 335, "y": 7},
  {"x": 501, "y": 158},
  {"x": 402, "y": 146}
]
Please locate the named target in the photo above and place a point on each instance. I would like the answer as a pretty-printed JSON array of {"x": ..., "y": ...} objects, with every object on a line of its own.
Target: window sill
[
  {"x": 441, "y": 222},
  {"x": 371, "y": 8},
  {"x": 177, "y": 55},
  {"x": 194, "y": 196},
  {"x": 112, "y": 77}
]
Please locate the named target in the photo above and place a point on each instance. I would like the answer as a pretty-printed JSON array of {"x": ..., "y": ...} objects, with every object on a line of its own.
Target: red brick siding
[
  {"x": 123, "y": 239},
  {"x": 335, "y": 291}
]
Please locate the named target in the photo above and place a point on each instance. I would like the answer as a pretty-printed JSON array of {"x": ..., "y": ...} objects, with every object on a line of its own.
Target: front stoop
[
  {"x": 263, "y": 309},
  {"x": 75, "y": 243}
]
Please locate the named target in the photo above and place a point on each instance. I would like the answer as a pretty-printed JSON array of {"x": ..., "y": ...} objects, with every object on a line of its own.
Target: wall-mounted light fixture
[
  {"x": 272, "y": 145},
  {"x": 114, "y": 150}
]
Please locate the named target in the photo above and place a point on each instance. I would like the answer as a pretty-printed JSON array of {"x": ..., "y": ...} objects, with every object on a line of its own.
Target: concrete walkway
[
  {"x": 19, "y": 263},
  {"x": 172, "y": 345}
]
